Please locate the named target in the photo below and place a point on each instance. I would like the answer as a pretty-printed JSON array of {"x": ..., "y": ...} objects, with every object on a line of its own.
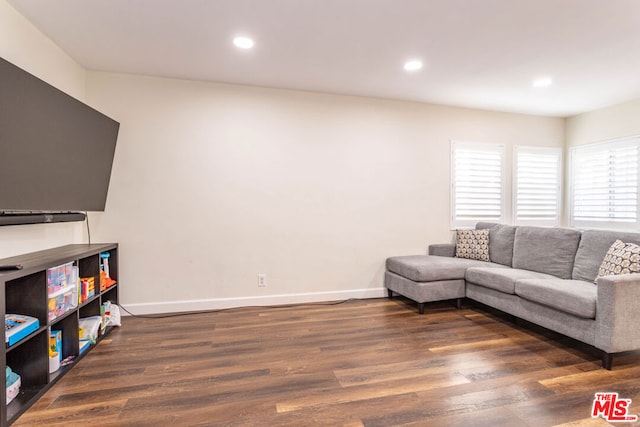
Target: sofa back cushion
[
  {"x": 501, "y": 239},
  {"x": 546, "y": 250},
  {"x": 593, "y": 247}
]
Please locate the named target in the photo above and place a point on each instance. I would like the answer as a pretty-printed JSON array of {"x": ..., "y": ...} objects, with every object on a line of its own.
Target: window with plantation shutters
[
  {"x": 477, "y": 183},
  {"x": 604, "y": 184},
  {"x": 537, "y": 186}
]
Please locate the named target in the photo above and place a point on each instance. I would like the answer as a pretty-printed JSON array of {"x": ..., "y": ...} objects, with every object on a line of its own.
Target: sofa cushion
[
  {"x": 501, "y": 239},
  {"x": 501, "y": 279},
  {"x": 546, "y": 250},
  {"x": 593, "y": 247},
  {"x": 427, "y": 268},
  {"x": 472, "y": 244},
  {"x": 570, "y": 296},
  {"x": 442, "y": 249},
  {"x": 621, "y": 258}
]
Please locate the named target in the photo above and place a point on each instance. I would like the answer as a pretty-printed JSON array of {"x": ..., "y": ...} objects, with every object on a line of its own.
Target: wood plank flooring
[{"x": 361, "y": 363}]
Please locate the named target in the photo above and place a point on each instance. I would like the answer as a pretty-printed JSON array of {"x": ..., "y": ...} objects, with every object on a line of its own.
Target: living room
[{"x": 215, "y": 183}]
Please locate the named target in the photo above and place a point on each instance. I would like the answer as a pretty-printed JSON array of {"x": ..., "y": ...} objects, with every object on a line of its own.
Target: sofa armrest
[
  {"x": 443, "y": 249},
  {"x": 618, "y": 313}
]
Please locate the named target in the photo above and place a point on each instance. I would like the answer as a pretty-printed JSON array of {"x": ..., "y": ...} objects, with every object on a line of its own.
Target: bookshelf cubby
[{"x": 25, "y": 292}]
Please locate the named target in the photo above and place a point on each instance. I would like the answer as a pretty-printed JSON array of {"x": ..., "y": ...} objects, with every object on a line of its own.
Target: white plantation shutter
[
  {"x": 604, "y": 184},
  {"x": 477, "y": 181},
  {"x": 537, "y": 186}
]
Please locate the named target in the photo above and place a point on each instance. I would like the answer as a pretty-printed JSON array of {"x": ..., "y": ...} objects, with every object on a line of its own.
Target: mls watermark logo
[{"x": 610, "y": 407}]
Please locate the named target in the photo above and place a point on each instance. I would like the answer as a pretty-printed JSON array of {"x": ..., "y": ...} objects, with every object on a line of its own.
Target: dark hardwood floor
[{"x": 368, "y": 362}]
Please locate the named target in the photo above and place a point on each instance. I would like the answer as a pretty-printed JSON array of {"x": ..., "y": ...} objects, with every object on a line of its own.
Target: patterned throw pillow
[
  {"x": 621, "y": 258},
  {"x": 472, "y": 244}
]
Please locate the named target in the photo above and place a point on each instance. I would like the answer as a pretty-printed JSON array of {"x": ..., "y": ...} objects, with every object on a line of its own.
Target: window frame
[
  {"x": 559, "y": 184},
  {"x": 455, "y": 223},
  {"x": 603, "y": 145}
]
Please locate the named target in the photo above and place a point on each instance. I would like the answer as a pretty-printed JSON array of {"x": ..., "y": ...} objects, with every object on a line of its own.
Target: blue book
[
  {"x": 18, "y": 326},
  {"x": 84, "y": 345}
]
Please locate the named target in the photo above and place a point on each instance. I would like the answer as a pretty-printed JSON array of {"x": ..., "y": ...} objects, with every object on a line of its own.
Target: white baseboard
[{"x": 268, "y": 300}]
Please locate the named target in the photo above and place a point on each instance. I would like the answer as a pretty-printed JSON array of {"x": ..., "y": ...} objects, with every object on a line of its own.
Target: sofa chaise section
[
  {"x": 428, "y": 278},
  {"x": 545, "y": 275}
]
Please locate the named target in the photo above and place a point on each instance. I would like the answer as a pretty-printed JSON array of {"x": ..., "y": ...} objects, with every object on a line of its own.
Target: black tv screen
[{"x": 56, "y": 152}]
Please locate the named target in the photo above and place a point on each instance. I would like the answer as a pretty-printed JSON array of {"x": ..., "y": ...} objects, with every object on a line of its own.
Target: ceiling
[{"x": 476, "y": 53}]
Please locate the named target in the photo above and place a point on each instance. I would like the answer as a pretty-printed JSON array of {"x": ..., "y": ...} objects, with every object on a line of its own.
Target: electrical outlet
[{"x": 262, "y": 280}]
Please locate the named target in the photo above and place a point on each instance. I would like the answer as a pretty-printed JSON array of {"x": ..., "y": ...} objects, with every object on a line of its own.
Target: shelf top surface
[{"x": 41, "y": 260}]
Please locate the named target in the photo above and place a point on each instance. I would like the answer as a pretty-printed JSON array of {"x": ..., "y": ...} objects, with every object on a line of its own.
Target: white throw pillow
[
  {"x": 621, "y": 258},
  {"x": 473, "y": 244}
]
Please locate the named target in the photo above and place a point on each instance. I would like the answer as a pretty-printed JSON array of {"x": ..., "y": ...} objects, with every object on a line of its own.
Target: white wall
[
  {"x": 609, "y": 123},
  {"x": 213, "y": 184},
  {"x": 25, "y": 46},
  {"x": 613, "y": 122}
]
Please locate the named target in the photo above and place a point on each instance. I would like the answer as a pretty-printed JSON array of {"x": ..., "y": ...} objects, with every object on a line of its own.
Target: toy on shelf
[
  {"x": 61, "y": 277},
  {"x": 13, "y": 384},
  {"x": 90, "y": 328},
  {"x": 67, "y": 361},
  {"x": 105, "y": 279},
  {"x": 64, "y": 301},
  {"x": 55, "y": 350},
  {"x": 110, "y": 315},
  {"x": 62, "y": 288},
  {"x": 104, "y": 258},
  {"x": 87, "y": 289}
]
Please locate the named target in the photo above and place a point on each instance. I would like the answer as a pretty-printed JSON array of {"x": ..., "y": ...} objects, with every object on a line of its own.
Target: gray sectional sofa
[{"x": 542, "y": 275}]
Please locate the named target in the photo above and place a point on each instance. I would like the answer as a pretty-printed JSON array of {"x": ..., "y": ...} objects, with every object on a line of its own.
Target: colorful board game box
[{"x": 18, "y": 326}]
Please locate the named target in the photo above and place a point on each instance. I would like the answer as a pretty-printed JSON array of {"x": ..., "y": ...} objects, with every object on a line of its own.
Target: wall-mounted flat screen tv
[{"x": 56, "y": 153}]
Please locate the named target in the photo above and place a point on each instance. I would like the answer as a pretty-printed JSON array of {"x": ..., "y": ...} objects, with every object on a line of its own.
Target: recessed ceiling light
[
  {"x": 243, "y": 42},
  {"x": 413, "y": 65},
  {"x": 542, "y": 82}
]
